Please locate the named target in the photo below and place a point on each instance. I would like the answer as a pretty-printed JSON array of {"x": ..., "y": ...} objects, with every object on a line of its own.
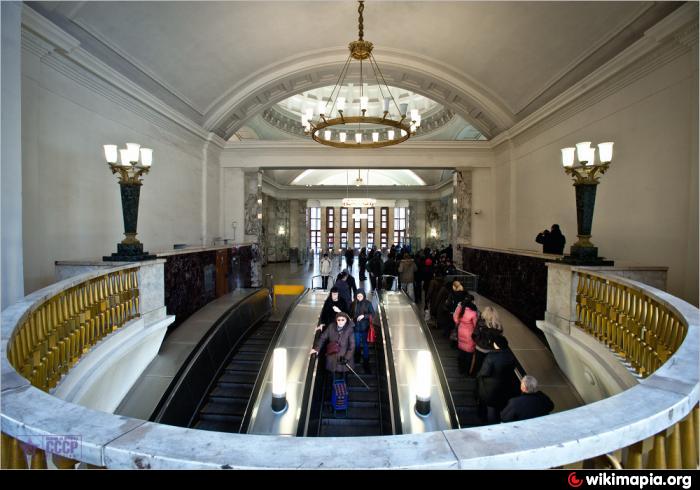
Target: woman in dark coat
[
  {"x": 361, "y": 312},
  {"x": 497, "y": 383},
  {"x": 333, "y": 305},
  {"x": 340, "y": 332}
]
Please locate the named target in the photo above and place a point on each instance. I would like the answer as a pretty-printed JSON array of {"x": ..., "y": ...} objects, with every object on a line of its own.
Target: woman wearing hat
[{"x": 339, "y": 341}]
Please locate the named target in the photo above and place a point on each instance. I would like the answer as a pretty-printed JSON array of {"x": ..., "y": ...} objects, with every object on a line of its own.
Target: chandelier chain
[
  {"x": 371, "y": 57},
  {"x": 339, "y": 84},
  {"x": 360, "y": 9}
]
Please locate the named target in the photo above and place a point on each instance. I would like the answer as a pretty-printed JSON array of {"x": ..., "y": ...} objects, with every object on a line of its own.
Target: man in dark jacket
[
  {"x": 351, "y": 283},
  {"x": 391, "y": 268},
  {"x": 349, "y": 257},
  {"x": 530, "y": 404},
  {"x": 375, "y": 267}
]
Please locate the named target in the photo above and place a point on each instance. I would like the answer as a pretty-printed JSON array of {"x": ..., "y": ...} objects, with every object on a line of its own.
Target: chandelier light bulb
[
  {"x": 417, "y": 119},
  {"x": 386, "y": 104},
  {"x": 403, "y": 133},
  {"x": 582, "y": 150},
  {"x": 364, "y": 103},
  {"x": 390, "y": 134},
  {"x": 358, "y": 138},
  {"x": 327, "y": 135},
  {"x": 340, "y": 103},
  {"x": 111, "y": 153},
  {"x": 321, "y": 108},
  {"x": 375, "y": 137},
  {"x": 414, "y": 114},
  {"x": 605, "y": 151},
  {"x": 343, "y": 136},
  {"x": 567, "y": 156},
  {"x": 413, "y": 128},
  {"x": 403, "y": 108}
]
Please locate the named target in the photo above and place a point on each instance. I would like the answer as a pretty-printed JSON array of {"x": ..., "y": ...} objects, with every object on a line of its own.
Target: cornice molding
[
  {"x": 660, "y": 45},
  {"x": 310, "y": 145},
  {"x": 63, "y": 53}
]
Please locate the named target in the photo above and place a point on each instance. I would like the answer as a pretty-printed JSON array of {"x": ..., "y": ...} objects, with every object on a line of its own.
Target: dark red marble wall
[
  {"x": 516, "y": 282},
  {"x": 190, "y": 279}
]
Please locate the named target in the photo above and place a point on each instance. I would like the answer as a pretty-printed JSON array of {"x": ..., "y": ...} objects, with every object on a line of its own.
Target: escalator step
[
  {"x": 350, "y": 430},
  {"x": 359, "y": 413},
  {"x": 250, "y": 356},
  {"x": 232, "y": 425},
  {"x": 231, "y": 390},
  {"x": 225, "y": 406},
  {"x": 242, "y": 366},
  {"x": 238, "y": 377}
]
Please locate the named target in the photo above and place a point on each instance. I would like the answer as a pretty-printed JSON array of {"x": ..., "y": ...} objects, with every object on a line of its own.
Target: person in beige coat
[{"x": 407, "y": 269}]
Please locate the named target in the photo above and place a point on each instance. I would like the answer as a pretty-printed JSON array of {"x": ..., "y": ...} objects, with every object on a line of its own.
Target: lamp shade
[
  {"x": 364, "y": 103},
  {"x": 146, "y": 157},
  {"x": 358, "y": 137},
  {"x": 340, "y": 102},
  {"x": 133, "y": 149},
  {"x": 423, "y": 375},
  {"x": 386, "y": 104},
  {"x": 567, "y": 156},
  {"x": 390, "y": 134},
  {"x": 321, "y": 107},
  {"x": 591, "y": 157},
  {"x": 343, "y": 136},
  {"x": 582, "y": 150},
  {"x": 414, "y": 114},
  {"x": 327, "y": 134},
  {"x": 403, "y": 108},
  {"x": 605, "y": 151},
  {"x": 124, "y": 154},
  {"x": 417, "y": 119},
  {"x": 375, "y": 136},
  {"x": 111, "y": 153}
]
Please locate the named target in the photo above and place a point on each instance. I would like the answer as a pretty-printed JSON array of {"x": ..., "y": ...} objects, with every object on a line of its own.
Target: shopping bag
[{"x": 372, "y": 334}]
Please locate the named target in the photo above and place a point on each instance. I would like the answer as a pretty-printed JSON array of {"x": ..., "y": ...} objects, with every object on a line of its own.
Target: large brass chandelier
[{"x": 359, "y": 130}]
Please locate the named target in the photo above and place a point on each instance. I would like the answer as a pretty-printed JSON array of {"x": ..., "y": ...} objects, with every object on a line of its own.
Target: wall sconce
[
  {"x": 130, "y": 172},
  {"x": 259, "y": 215},
  {"x": 433, "y": 232},
  {"x": 586, "y": 176},
  {"x": 279, "y": 381},
  {"x": 280, "y": 231},
  {"x": 423, "y": 383}
]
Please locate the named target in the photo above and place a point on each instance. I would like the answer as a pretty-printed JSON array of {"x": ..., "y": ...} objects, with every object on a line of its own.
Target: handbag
[
  {"x": 372, "y": 334},
  {"x": 332, "y": 348}
]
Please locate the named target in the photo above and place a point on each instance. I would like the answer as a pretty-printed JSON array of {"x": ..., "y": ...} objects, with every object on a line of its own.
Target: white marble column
[{"x": 11, "y": 154}]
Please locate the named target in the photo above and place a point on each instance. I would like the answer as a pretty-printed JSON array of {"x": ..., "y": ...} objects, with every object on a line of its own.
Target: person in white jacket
[{"x": 325, "y": 270}]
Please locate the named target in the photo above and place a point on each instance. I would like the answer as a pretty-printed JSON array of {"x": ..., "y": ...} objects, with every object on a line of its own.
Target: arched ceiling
[{"x": 223, "y": 63}]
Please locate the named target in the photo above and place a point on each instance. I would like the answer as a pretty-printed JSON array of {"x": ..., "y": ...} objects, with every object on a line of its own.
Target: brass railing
[
  {"x": 52, "y": 338},
  {"x": 633, "y": 324},
  {"x": 646, "y": 333}
]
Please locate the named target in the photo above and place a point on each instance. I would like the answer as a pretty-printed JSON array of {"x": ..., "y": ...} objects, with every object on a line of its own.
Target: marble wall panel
[{"x": 516, "y": 282}]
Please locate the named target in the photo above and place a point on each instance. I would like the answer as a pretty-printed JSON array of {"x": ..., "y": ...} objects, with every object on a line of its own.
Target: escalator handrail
[
  {"x": 309, "y": 385},
  {"x": 260, "y": 378},
  {"x": 437, "y": 362},
  {"x": 159, "y": 411},
  {"x": 392, "y": 387}
]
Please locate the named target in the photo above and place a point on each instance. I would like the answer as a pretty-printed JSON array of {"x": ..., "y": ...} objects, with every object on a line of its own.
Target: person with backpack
[{"x": 362, "y": 312}]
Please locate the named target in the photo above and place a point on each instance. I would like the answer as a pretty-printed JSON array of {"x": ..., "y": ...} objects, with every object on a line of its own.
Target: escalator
[
  {"x": 225, "y": 407},
  {"x": 363, "y": 416},
  {"x": 462, "y": 389},
  {"x": 372, "y": 410}
]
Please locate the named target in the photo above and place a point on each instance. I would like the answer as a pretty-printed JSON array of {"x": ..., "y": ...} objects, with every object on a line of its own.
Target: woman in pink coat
[{"x": 465, "y": 320}]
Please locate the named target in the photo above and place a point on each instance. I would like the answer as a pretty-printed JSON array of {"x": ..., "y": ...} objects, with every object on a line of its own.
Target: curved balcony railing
[{"x": 664, "y": 404}]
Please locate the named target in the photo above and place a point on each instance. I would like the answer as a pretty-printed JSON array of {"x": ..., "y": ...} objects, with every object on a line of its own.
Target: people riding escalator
[{"x": 339, "y": 341}]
